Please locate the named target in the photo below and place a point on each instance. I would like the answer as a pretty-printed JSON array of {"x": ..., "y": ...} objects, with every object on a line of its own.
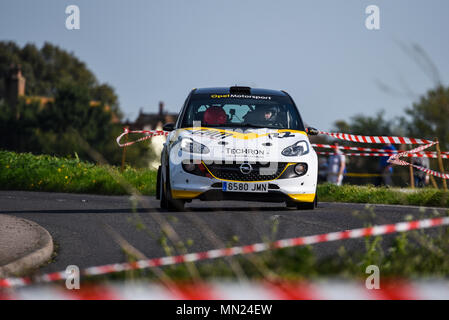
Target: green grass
[
  {"x": 427, "y": 197},
  {"x": 25, "y": 171}
]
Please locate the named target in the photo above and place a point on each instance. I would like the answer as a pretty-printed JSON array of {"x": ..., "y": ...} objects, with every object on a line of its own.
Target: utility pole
[{"x": 124, "y": 153}]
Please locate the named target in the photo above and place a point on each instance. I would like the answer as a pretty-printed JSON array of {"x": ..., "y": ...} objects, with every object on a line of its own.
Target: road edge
[{"x": 39, "y": 255}]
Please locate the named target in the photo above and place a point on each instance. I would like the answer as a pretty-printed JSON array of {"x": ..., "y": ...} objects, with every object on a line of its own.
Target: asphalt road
[{"x": 81, "y": 224}]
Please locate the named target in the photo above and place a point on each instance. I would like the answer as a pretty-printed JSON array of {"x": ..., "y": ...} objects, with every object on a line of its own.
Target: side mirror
[
  {"x": 168, "y": 127},
  {"x": 312, "y": 131}
]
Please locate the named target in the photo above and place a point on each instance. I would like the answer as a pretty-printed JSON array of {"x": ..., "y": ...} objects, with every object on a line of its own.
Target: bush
[{"x": 25, "y": 171}]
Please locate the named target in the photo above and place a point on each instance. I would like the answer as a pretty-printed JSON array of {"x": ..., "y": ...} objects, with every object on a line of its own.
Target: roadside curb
[{"x": 24, "y": 245}]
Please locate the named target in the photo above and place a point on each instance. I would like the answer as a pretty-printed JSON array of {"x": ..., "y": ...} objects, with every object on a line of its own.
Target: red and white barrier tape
[
  {"x": 426, "y": 170},
  {"x": 149, "y": 135},
  {"x": 341, "y": 136},
  {"x": 226, "y": 252},
  {"x": 318, "y": 290},
  {"x": 394, "y": 159},
  {"x": 376, "y": 139},
  {"x": 328, "y": 146},
  {"x": 373, "y": 154}
]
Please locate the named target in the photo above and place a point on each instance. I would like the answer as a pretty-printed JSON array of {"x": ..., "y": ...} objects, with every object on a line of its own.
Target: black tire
[
  {"x": 290, "y": 204},
  {"x": 162, "y": 192},
  {"x": 158, "y": 183},
  {"x": 308, "y": 205}
]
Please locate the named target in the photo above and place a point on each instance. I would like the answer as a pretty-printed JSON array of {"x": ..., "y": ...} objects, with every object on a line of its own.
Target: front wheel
[
  {"x": 158, "y": 183},
  {"x": 167, "y": 202},
  {"x": 162, "y": 191}
]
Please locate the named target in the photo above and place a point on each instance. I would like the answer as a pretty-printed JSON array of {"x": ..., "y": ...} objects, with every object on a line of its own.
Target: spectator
[
  {"x": 336, "y": 167},
  {"x": 421, "y": 178},
  {"x": 322, "y": 169},
  {"x": 385, "y": 168}
]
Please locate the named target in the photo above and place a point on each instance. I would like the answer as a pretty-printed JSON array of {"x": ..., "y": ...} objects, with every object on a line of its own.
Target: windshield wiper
[{"x": 258, "y": 126}]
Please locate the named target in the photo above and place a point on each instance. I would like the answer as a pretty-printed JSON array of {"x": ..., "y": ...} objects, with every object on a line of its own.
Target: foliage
[
  {"x": 410, "y": 255},
  {"x": 366, "y": 125},
  {"x": 57, "y": 127},
  {"x": 430, "y": 116},
  {"x": 46, "y": 68},
  {"x": 25, "y": 171}
]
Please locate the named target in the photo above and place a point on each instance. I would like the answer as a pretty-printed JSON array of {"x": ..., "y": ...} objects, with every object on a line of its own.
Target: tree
[
  {"x": 429, "y": 117},
  {"x": 366, "y": 125},
  {"x": 46, "y": 68},
  {"x": 19, "y": 134},
  {"x": 56, "y": 127},
  {"x": 71, "y": 117},
  {"x": 69, "y": 110}
]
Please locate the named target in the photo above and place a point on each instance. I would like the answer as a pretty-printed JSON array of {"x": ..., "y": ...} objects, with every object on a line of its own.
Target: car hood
[{"x": 237, "y": 145}]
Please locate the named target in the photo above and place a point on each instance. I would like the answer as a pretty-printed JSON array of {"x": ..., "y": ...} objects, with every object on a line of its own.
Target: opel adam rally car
[{"x": 238, "y": 143}]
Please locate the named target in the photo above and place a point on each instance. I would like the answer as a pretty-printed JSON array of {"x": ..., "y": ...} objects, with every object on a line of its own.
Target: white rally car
[{"x": 238, "y": 143}]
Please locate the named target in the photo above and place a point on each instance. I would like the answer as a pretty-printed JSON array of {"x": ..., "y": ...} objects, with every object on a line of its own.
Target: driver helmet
[{"x": 214, "y": 115}]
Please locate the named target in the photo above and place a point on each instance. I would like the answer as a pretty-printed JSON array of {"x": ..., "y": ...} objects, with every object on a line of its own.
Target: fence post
[
  {"x": 124, "y": 153},
  {"x": 412, "y": 178},
  {"x": 440, "y": 163},
  {"x": 434, "y": 183}
]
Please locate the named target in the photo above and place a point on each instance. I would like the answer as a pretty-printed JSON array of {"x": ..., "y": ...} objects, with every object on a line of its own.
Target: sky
[{"x": 319, "y": 51}]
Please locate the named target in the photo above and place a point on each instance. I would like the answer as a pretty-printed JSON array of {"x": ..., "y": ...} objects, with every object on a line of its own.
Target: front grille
[{"x": 259, "y": 172}]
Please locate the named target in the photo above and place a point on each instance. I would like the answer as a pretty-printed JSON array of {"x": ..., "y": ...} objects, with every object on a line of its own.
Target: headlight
[
  {"x": 192, "y": 146},
  {"x": 298, "y": 149}
]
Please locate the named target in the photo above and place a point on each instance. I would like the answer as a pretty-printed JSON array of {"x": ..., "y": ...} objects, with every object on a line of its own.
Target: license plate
[{"x": 245, "y": 187}]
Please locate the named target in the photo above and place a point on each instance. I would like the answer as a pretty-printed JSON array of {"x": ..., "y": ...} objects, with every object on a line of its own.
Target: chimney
[
  {"x": 161, "y": 108},
  {"x": 15, "y": 85}
]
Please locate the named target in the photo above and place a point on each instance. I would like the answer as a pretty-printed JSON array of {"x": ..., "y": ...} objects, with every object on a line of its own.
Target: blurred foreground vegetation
[{"x": 410, "y": 255}]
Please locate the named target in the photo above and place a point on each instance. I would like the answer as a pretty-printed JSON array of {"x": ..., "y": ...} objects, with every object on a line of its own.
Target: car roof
[{"x": 226, "y": 90}]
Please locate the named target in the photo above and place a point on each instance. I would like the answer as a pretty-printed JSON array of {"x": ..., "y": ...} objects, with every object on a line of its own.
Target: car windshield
[{"x": 238, "y": 111}]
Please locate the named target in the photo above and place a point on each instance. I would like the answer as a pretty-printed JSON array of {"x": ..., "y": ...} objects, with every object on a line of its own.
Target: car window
[{"x": 277, "y": 112}]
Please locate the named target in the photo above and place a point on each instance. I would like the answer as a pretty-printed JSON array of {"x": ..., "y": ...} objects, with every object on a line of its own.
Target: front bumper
[
  {"x": 271, "y": 196},
  {"x": 188, "y": 186}
]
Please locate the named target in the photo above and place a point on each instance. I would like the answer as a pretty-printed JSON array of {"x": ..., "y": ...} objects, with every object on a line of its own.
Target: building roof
[{"x": 153, "y": 119}]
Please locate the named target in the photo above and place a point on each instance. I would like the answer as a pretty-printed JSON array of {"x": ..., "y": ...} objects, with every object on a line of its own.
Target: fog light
[
  {"x": 301, "y": 169},
  {"x": 189, "y": 167}
]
